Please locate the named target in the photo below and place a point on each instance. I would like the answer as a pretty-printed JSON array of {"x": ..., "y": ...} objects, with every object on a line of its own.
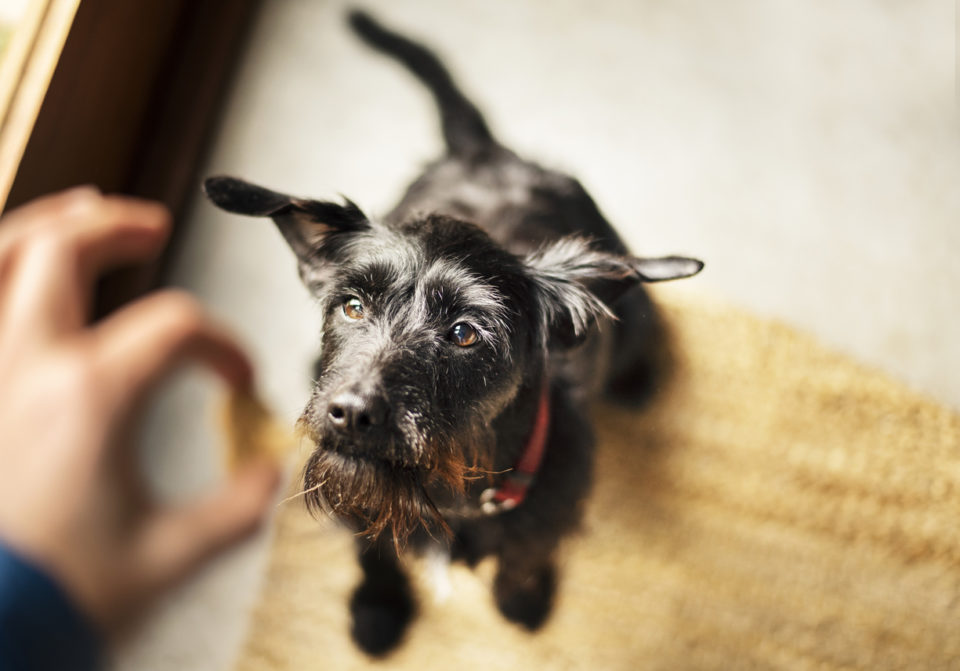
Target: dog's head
[{"x": 430, "y": 330}]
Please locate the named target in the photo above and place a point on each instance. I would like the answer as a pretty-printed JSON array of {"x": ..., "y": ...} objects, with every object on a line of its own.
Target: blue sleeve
[{"x": 40, "y": 629}]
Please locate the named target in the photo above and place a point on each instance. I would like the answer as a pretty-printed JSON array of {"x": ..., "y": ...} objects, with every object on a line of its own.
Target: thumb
[{"x": 177, "y": 541}]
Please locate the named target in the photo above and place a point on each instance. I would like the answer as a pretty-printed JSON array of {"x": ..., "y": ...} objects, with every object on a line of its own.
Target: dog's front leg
[
  {"x": 382, "y": 604},
  {"x": 525, "y": 582}
]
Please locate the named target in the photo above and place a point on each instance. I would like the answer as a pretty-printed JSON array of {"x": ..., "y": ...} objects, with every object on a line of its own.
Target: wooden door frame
[{"x": 121, "y": 94}]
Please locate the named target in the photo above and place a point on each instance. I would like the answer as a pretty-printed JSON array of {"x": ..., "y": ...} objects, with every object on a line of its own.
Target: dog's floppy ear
[
  {"x": 310, "y": 227},
  {"x": 577, "y": 284}
]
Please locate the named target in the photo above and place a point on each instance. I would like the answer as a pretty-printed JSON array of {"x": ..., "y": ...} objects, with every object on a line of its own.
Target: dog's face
[
  {"x": 430, "y": 330},
  {"x": 423, "y": 344}
]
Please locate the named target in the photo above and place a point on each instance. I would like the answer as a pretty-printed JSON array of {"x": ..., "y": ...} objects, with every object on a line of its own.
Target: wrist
[{"x": 40, "y": 624}]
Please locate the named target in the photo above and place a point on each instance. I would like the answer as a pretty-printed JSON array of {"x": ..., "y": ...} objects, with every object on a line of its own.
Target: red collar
[{"x": 513, "y": 490}]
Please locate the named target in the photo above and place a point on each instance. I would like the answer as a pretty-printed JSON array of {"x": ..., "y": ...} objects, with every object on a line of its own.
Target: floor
[{"x": 808, "y": 152}]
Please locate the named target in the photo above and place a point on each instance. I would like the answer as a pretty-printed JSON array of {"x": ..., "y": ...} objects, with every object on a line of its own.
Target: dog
[{"x": 464, "y": 335}]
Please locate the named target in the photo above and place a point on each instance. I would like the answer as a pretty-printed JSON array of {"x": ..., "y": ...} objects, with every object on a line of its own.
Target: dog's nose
[{"x": 356, "y": 412}]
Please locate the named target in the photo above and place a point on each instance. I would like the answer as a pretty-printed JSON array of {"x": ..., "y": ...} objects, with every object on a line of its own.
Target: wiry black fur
[{"x": 410, "y": 427}]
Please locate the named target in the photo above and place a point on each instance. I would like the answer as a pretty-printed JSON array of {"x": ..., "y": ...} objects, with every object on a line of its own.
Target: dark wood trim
[{"x": 131, "y": 103}]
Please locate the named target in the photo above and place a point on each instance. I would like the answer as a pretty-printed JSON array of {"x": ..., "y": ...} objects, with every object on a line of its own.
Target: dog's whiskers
[
  {"x": 481, "y": 473},
  {"x": 303, "y": 493}
]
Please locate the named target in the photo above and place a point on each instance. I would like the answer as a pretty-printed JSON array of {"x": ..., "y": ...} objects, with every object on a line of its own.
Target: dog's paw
[
  {"x": 526, "y": 602},
  {"x": 381, "y": 615}
]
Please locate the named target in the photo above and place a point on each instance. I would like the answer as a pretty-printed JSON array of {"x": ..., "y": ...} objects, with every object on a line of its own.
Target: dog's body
[{"x": 460, "y": 348}]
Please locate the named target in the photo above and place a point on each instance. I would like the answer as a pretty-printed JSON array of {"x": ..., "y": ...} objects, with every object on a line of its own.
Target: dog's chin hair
[{"x": 372, "y": 497}]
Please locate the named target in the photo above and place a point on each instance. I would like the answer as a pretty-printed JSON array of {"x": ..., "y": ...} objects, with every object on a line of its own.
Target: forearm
[{"x": 40, "y": 629}]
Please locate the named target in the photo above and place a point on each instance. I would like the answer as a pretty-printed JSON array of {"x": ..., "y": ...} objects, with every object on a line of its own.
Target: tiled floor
[{"x": 808, "y": 152}]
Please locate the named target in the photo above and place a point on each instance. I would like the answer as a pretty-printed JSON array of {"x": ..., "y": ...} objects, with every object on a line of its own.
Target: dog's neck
[{"x": 513, "y": 487}]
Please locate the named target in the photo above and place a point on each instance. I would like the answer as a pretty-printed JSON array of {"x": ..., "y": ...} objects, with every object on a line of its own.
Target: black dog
[{"x": 461, "y": 343}]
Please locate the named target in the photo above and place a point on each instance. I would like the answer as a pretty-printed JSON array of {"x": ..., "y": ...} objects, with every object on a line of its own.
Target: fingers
[
  {"x": 68, "y": 240},
  {"x": 177, "y": 541},
  {"x": 144, "y": 342},
  {"x": 116, "y": 231},
  {"x": 33, "y": 309},
  {"x": 17, "y": 224},
  {"x": 53, "y": 207},
  {"x": 103, "y": 229}
]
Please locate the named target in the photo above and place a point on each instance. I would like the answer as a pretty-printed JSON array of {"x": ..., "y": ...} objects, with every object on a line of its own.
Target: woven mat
[{"x": 776, "y": 507}]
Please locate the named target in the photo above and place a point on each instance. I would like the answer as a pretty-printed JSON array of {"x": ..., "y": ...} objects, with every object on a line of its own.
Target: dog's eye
[
  {"x": 463, "y": 334},
  {"x": 353, "y": 309}
]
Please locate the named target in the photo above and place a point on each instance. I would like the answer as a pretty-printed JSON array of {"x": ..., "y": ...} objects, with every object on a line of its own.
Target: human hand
[{"x": 71, "y": 495}]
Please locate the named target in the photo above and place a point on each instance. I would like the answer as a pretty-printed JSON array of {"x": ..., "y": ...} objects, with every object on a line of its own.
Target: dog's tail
[{"x": 465, "y": 131}]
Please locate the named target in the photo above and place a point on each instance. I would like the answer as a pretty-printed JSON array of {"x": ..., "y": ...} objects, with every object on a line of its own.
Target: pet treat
[{"x": 252, "y": 431}]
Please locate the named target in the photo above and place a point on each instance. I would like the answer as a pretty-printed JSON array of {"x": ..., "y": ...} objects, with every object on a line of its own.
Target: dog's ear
[
  {"x": 577, "y": 284},
  {"x": 310, "y": 227}
]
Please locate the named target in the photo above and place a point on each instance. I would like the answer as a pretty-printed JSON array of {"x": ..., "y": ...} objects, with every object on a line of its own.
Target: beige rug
[{"x": 777, "y": 507}]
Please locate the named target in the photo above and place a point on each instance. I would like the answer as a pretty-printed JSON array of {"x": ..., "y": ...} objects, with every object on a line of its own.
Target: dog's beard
[{"x": 373, "y": 496}]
